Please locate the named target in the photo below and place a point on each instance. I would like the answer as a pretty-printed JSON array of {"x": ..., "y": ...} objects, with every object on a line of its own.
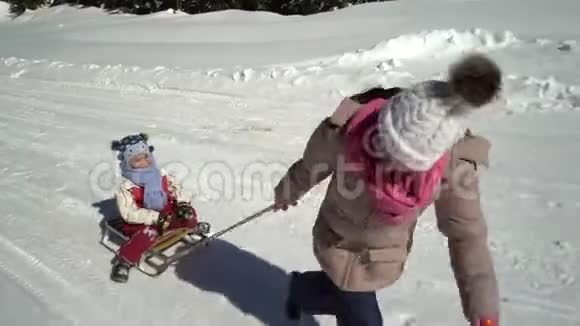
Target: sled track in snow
[
  {"x": 35, "y": 273},
  {"x": 22, "y": 267},
  {"x": 58, "y": 107}
]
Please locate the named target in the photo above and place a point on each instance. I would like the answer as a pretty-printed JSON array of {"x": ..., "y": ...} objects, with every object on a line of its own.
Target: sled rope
[{"x": 240, "y": 223}]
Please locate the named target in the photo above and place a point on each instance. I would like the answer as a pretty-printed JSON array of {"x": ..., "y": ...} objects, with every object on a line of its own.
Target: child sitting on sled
[{"x": 150, "y": 202}]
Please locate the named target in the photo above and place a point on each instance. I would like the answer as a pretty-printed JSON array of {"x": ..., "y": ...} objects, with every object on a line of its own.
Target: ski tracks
[
  {"x": 47, "y": 285},
  {"x": 52, "y": 261}
]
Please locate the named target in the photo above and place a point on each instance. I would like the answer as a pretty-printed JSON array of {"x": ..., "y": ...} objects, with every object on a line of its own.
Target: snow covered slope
[
  {"x": 227, "y": 94},
  {"x": 4, "y": 11}
]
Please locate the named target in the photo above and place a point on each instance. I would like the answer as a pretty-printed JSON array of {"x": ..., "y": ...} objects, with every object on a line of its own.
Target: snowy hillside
[
  {"x": 4, "y": 11},
  {"x": 229, "y": 93}
]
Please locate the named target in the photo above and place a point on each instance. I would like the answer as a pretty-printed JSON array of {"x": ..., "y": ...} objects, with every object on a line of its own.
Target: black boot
[
  {"x": 120, "y": 272},
  {"x": 292, "y": 307}
]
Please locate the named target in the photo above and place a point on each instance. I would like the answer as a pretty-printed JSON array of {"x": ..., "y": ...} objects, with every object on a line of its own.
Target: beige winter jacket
[
  {"x": 359, "y": 253},
  {"x": 129, "y": 210}
]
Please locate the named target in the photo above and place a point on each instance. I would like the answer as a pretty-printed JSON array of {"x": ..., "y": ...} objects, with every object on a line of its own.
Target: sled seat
[{"x": 116, "y": 225}]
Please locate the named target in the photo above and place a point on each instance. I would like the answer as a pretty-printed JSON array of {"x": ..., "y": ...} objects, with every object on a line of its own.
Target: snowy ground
[{"x": 231, "y": 93}]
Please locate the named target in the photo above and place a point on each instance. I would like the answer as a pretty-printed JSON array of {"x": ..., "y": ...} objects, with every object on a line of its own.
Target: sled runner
[{"x": 154, "y": 261}]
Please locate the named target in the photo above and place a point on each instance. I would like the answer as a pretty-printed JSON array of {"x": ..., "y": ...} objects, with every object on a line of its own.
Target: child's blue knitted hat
[{"x": 131, "y": 145}]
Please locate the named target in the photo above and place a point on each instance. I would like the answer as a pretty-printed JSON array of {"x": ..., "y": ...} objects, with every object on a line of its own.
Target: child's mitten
[
  {"x": 185, "y": 211},
  {"x": 163, "y": 222}
]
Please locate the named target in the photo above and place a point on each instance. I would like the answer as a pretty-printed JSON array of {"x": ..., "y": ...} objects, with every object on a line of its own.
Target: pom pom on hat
[{"x": 476, "y": 79}]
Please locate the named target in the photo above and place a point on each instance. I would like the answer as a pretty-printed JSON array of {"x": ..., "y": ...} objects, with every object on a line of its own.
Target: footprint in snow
[
  {"x": 565, "y": 48},
  {"x": 550, "y": 275},
  {"x": 564, "y": 246},
  {"x": 555, "y": 204}
]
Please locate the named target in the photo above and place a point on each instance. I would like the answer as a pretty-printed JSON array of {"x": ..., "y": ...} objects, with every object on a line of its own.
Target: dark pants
[{"x": 315, "y": 294}]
